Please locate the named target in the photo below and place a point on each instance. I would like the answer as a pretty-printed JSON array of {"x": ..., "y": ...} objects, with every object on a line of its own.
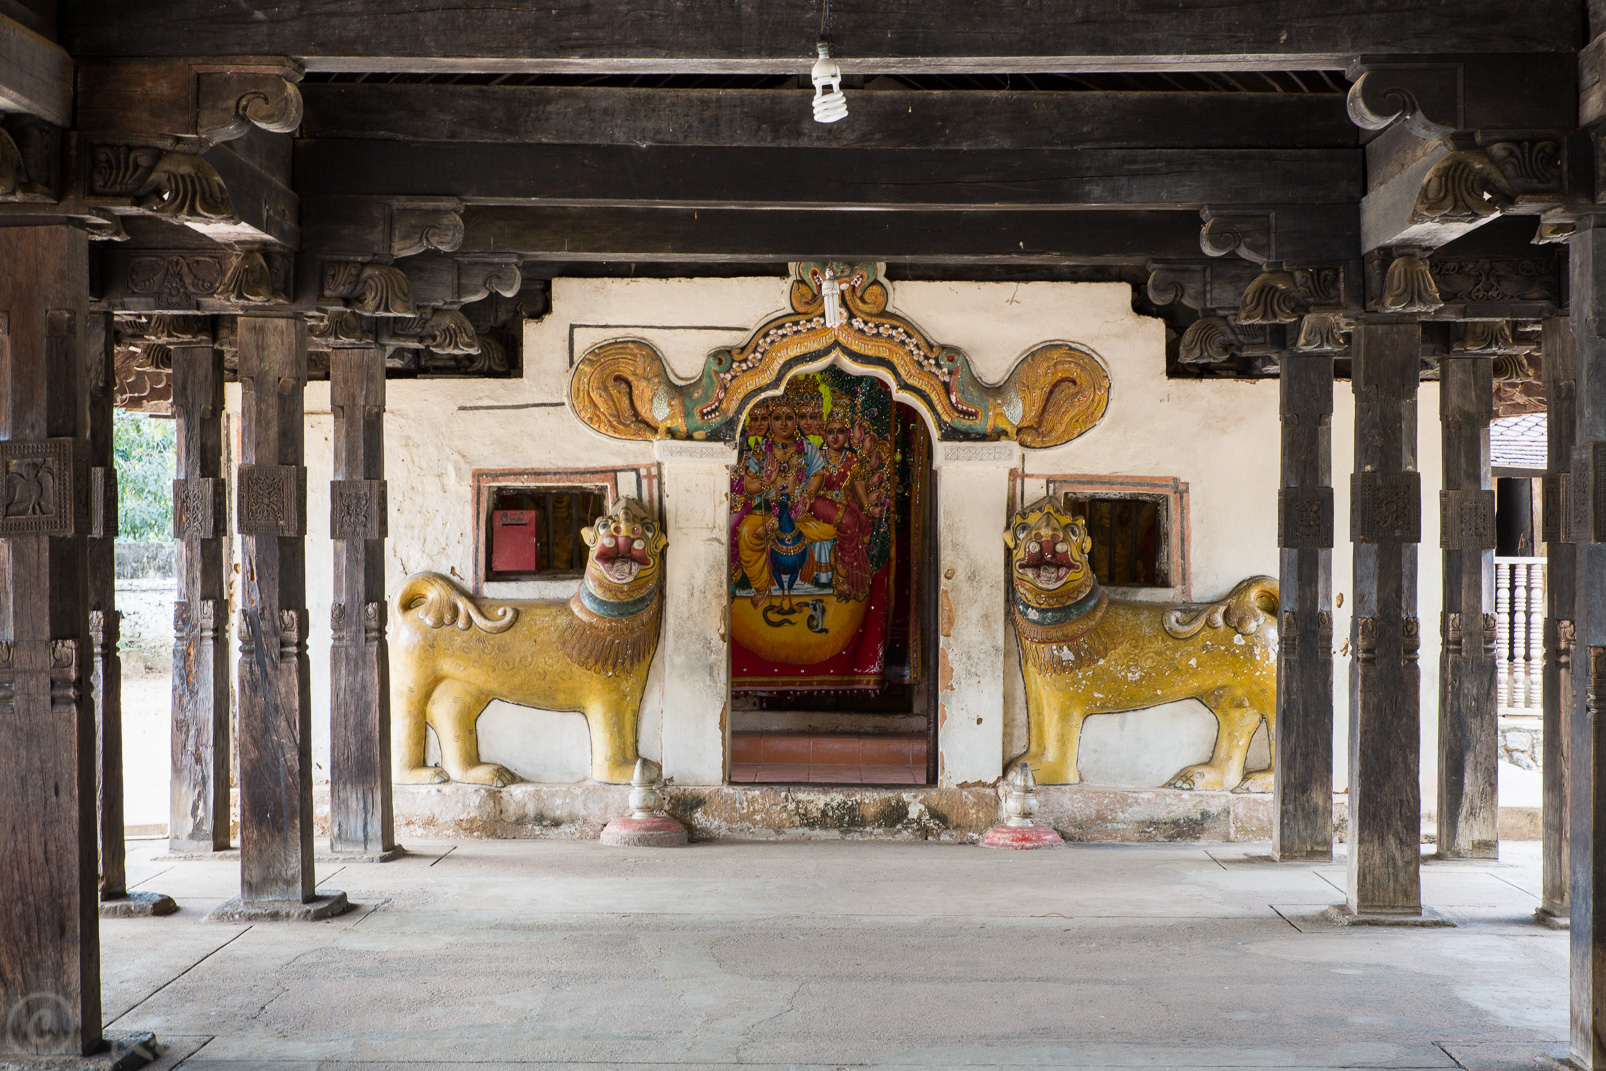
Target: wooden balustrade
[{"x": 1519, "y": 634}]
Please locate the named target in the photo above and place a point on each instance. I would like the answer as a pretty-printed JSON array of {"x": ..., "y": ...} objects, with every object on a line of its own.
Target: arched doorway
[{"x": 831, "y": 551}]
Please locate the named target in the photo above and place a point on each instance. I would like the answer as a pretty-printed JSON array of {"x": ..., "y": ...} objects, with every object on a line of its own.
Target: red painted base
[
  {"x": 1004, "y": 835},
  {"x": 659, "y": 832}
]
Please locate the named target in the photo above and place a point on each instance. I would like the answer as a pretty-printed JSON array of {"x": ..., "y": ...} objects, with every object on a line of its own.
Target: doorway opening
[{"x": 832, "y": 563}]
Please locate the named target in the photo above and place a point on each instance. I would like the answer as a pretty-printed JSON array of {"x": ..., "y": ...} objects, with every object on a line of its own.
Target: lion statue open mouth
[
  {"x": 589, "y": 654},
  {"x": 1084, "y": 653}
]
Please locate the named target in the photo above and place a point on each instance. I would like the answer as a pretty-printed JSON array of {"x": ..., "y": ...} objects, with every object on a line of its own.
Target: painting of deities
[{"x": 812, "y": 533}]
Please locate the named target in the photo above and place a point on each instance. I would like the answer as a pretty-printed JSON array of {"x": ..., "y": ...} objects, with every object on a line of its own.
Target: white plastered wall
[{"x": 1218, "y": 437}]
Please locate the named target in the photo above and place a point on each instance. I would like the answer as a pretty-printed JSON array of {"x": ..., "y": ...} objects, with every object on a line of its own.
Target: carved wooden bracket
[
  {"x": 229, "y": 103},
  {"x": 1470, "y": 185},
  {"x": 1209, "y": 340},
  {"x": 1426, "y": 97},
  {"x": 440, "y": 330},
  {"x": 1280, "y": 296},
  {"x": 1206, "y": 286},
  {"x": 1409, "y": 286},
  {"x": 447, "y": 281},
  {"x": 1323, "y": 332},
  {"x": 1247, "y": 236},
  {"x": 178, "y": 186},
  {"x": 180, "y": 280},
  {"x": 425, "y": 226},
  {"x": 370, "y": 289},
  {"x": 338, "y": 329}
]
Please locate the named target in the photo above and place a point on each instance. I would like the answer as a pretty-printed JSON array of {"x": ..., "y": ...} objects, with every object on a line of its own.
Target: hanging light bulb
[{"x": 830, "y": 104}]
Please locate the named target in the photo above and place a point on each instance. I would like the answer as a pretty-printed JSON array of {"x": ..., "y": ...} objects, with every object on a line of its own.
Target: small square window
[
  {"x": 536, "y": 533},
  {"x": 1129, "y": 539}
]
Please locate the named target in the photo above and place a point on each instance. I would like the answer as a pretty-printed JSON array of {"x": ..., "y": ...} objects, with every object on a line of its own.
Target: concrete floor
[{"x": 564, "y": 954}]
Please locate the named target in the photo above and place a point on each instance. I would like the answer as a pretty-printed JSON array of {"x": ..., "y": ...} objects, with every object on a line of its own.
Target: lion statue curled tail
[
  {"x": 1084, "y": 653},
  {"x": 452, "y": 655}
]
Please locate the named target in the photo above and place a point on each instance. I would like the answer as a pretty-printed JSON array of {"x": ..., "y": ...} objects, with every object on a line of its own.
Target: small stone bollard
[
  {"x": 1017, "y": 830},
  {"x": 648, "y": 826}
]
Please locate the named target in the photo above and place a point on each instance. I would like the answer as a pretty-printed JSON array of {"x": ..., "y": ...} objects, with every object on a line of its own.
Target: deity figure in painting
[
  {"x": 837, "y": 495},
  {"x": 774, "y": 480}
]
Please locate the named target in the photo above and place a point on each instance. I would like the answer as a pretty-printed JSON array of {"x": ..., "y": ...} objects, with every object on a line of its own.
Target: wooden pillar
[
  {"x": 1469, "y": 744},
  {"x": 1560, "y": 700},
  {"x": 276, "y": 855},
  {"x": 1385, "y": 798},
  {"x": 1302, "y": 822},
  {"x": 199, "y": 813},
  {"x": 49, "y": 929},
  {"x": 361, "y": 819},
  {"x": 105, "y": 623},
  {"x": 1587, "y": 770}
]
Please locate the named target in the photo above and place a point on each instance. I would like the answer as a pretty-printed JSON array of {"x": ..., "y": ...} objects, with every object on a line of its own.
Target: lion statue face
[
  {"x": 1048, "y": 555},
  {"x": 627, "y": 553}
]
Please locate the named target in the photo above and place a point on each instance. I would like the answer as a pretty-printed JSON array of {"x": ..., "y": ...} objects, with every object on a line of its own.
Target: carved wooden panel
[
  {"x": 1597, "y": 492},
  {"x": 102, "y": 503},
  {"x": 272, "y": 500},
  {"x": 358, "y": 509},
  {"x": 1385, "y": 507},
  {"x": 46, "y": 488},
  {"x": 1466, "y": 520},
  {"x": 200, "y": 508},
  {"x": 1305, "y": 517},
  {"x": 1554, "y": 526}
]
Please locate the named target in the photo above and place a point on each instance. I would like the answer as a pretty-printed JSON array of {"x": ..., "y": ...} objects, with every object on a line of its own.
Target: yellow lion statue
[
  {"x": 451, "y": 656},
  {"x": 1083, "y": 653}
]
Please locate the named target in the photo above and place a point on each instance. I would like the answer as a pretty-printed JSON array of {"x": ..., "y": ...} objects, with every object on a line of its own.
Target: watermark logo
[{"x": 37, "y": 1024}]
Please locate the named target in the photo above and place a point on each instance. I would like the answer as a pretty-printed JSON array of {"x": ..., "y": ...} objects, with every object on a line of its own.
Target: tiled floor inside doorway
[{"x": 829, "y": 758}]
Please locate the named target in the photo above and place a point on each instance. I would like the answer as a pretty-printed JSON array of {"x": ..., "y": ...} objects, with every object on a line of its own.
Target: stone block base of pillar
[
  {"x": 1551, "y": 921},
  {"x": 336, "y": 856},
  {"x": 125, "y": 1050},
  {"x": 138, "y": 905},
  {"x": 326, "y": 906},
  {"x": 1004, "y": 835},
  {"x": 1428, "y": 919},
  {"x": 655, "y": 831}
]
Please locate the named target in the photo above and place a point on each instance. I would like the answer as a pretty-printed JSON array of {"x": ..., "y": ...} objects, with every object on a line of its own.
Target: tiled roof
[{"x": 1518, "y": 442}]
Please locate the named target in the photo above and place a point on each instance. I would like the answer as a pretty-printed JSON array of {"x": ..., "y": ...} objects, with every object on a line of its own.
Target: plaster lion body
[
  {"x": 1083, "y": 653},
  {"x": 451, "y": 655}
]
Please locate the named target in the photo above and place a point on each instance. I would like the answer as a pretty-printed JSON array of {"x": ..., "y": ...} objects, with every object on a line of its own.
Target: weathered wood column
[
  {"x": 1587, "y": 770},
  {"x": 1302, "y": 821},
  {"x": 105, "y": 630},
  {"x": 1561, "y": 704},
  {"x": 361, "y": 819},
  {"x": 1468, "y": 736},
  {"x": 49, "y": 930},
  {"x": 199, "y": 813},
  {"x": 276, "y": 855},
  {"x": 1385, "y": 808}
]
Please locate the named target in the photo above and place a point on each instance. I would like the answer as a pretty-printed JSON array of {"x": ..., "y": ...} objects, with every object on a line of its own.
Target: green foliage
[{"x": 145, "y": 449}]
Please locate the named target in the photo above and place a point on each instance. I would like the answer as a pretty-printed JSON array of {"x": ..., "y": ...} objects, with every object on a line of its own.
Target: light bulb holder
[{"x": 830, "y": 105}]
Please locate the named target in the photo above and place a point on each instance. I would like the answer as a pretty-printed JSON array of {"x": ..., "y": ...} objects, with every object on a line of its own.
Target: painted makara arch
[{"x": 1055, "y": 393}]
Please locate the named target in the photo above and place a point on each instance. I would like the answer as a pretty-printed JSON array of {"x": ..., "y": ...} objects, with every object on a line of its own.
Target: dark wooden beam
[
  {"x": 49, "y": 929},
  {"x": 665, "y": 36},
  {"x": 1561, "y": 697},
  {"x": 199, "y": 816},
  {"x": 35, "y": 74},
  {"x": 717, "y": 236},
  {"x": 1468, "y": 739},
  {"x": 703, "y": 177},
  {"x": 1385, "y": 796},
  {"x": 105, "y": 623},
  {"x": 361, "y": 815},
  {"x": 1302, "y": 821},
  {"x": 782, "y": 118}
]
